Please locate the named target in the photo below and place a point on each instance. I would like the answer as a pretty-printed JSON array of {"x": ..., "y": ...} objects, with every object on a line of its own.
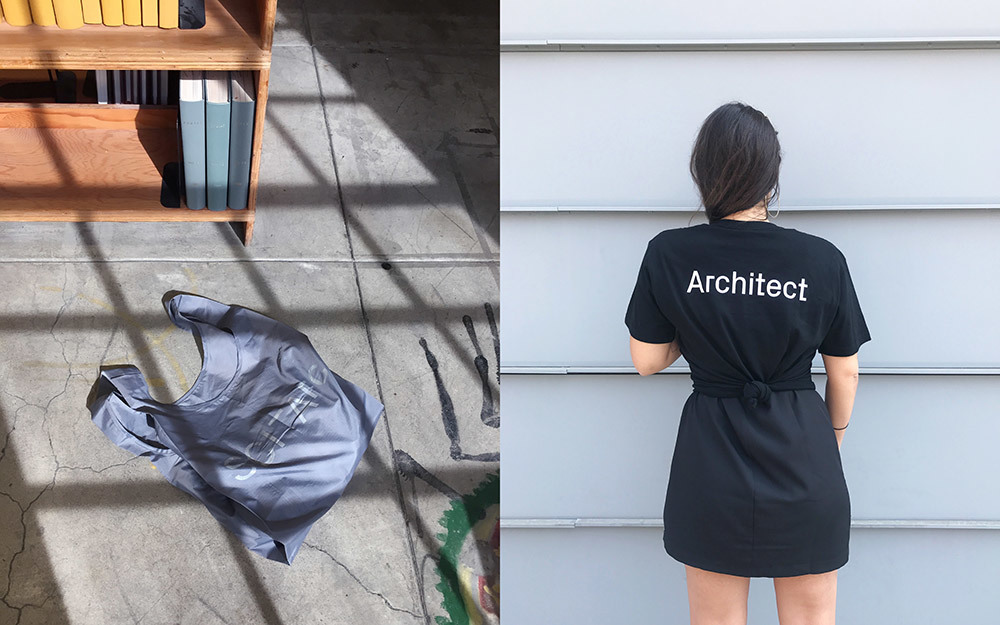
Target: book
[
  {"x": 111, "y": 12},
  {"x": 217, "y": 113},
  {"x": 117, "y": 80},
  {"x": 66, "y": 86},
  {"x": 92, "y": 11},
  {"x": 191, "y": 14},
  {"x": 42, "y": 12},
  {"x": 168, "y": 15},
  {"x": 102, "y": 86},
  {"x": 240, "y": 137},
  {"x": 164, "y": 94},
  {"x": 132, "y": 12},
  {"x": 149, "y": 12},
  {"x": 69, "y": 13},
  {"x": 16, "y": 12},
  {"x": 192, "y": 116},
  {"x": 142, "y": 86}
]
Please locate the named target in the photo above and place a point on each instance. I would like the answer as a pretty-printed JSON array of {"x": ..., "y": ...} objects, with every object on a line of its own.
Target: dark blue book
[
  {"x": 240, "y": 137},
  {"x": 217, "y": 113}
]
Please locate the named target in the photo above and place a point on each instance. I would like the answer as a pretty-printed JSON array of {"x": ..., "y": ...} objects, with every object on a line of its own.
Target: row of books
[
  {"x": 76, "y": 13},
  {"x": 216, "y": 127},
  {"x": 132, "y": 86},
  {"x": 155, "y": 87}
]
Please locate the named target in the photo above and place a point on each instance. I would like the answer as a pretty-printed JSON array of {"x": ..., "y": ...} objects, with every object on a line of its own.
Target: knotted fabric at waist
[{"x": 753, "y": 391}]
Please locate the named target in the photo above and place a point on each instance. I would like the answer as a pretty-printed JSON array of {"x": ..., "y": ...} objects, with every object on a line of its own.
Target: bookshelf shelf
[
  {"x": 101, "y": 162},
  {"x": 230, "y": 40},
  {"x": 90, "y": 162}
]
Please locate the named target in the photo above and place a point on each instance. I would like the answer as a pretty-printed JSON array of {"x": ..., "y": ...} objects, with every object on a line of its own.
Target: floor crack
[{"x": 360, "y": 583}]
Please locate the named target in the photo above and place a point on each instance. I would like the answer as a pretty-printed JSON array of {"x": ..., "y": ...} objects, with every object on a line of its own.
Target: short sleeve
[
  {"x": 644, "y": 319},
  {"x": 848, "y": 331}
]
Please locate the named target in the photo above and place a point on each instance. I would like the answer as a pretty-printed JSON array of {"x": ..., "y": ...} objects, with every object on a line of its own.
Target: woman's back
[{"x": 748, "y": 299}]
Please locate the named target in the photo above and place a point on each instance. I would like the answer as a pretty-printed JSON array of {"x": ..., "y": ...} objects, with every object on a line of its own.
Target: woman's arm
[
  {"x": 841, "y": 386},
  {"x": 649, "y": 358}
]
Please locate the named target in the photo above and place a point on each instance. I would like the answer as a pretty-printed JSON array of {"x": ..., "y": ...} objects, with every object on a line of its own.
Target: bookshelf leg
[{"x": 248, "y": 231}]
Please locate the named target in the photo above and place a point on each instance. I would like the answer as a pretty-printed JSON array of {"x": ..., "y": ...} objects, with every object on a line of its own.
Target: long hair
[{"x": 735, "y": 160}]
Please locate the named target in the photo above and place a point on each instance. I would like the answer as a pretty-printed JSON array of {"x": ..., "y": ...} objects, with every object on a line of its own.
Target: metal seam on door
[
  {"x": 794, "y": 209},
  {"x": 626, "y": 370},
  {"x": 709, "y": 45},
  {"x": 622, "y": 523}
]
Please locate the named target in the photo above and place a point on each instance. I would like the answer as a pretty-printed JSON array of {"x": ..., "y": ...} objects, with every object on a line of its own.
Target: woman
[{"x": 756, "y": 486}]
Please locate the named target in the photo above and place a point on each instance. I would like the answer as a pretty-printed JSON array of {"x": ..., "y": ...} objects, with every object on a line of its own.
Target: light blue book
[
  {"x": 192, "y": 113},
  {"x": 240, "y": 137},
  {"x": 217, "y": 110}
]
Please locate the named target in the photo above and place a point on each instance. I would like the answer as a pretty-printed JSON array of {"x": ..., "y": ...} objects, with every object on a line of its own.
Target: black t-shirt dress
[{"x": 756, "y": 486}]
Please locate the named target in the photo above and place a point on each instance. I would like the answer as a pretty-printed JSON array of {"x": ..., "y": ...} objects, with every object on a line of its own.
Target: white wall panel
[
  {"x": 923, "y": 279},
  {"x": 599, "y": 446},
  {"x": 856, "y": 127},
  {"x": 916, "y": 577},
  {"x": 711, "y": 19}
]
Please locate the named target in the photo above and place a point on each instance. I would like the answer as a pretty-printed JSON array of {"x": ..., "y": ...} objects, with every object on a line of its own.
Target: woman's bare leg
[
  {"x": 807, "y": 599},
  {"x": 716, "y": 598}
]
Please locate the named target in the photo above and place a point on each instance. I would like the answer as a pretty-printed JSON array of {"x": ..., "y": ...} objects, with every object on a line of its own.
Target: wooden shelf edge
[
  {"x": 232, "y": 39},
  {"x": 122, "y": 215}
]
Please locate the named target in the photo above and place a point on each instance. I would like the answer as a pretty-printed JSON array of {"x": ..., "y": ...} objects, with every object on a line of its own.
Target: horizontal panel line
[
  {"x": 668, "y": 45},
  {"x": 626, "y": 370},
  {"x": 792, "y": 209},
  {"x": 575, "y": 523},
  {"x": 396, "y": 260}
]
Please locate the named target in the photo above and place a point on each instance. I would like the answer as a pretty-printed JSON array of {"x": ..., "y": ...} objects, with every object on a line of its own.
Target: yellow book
[
  {"x": 69, "y": 13},
  {"x": 1, "y": 13},
  {"x": 149, "y": 12},
  {"x": 92, "y": 11},
  {"x": 42, "y": 12},
  {"x": 132, "y": 12},
  {"x": 16, "y": 12},
  {"x": 168, "y": 13},
  {"x": 111, "y": 12}
]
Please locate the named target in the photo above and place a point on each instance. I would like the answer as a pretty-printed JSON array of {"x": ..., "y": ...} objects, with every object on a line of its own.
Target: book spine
[
  {"x": 42, "y": 12},
  {"x": 101, "y": 78},
  {"x": 168, "y": 13},
  {"x": 92, "y": 11},
  {"x": 111, "y": 12},
  {"x": 149, "y": 12},
  {"x": 240, "y": 144},
  {"x": 16, "y": 12},
  {"x": 217, "y": 153},
  {"x": 116, "y": 90},
  {"x": 193, "y": 139},
  {"x": 69, "y": 13},
  {"x": 132, "y": 12}
]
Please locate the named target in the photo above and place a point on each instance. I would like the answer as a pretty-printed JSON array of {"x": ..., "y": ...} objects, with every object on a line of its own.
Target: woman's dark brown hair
[{"x": 735, "y": 160}]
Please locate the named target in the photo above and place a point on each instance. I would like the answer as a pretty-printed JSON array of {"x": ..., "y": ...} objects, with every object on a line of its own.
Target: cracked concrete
[{"x": 377, "y": 236}]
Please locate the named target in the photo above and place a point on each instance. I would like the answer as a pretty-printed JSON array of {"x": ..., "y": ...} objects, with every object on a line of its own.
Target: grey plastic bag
[{"x": 267, "y": 437}]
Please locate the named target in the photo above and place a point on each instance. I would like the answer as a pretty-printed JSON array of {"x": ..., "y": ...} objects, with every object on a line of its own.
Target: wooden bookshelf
[{"x": 105, "y": 162}]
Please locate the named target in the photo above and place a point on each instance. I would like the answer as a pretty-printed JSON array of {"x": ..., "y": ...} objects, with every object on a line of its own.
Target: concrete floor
[{"x": 377, "y": 235}]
